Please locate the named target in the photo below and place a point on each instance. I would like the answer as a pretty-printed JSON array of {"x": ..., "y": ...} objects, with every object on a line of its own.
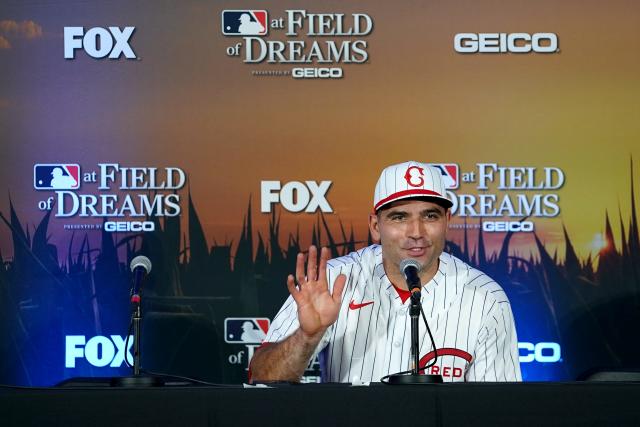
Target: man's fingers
[
  {"x": 291, "y": 285},
  {"x": 300, "y": 268},
  {"x": 324, "y": 257},
  {"x": 312, "y": 266},
  {"x": 295, "y": 293},
  {"x": 338, "y": 288}
]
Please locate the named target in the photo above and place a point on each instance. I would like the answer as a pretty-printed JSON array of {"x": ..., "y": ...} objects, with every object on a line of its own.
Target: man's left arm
[{"x": 496, "y": 355}]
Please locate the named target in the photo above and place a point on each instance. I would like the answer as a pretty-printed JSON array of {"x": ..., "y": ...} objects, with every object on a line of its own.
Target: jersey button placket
[{"x": 401, "y": 336}]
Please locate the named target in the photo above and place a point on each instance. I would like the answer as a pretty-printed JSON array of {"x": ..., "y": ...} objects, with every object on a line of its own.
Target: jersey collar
[{"x": 436, "y": 280}]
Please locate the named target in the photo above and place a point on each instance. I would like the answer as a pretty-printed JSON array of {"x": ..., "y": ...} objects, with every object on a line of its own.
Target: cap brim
[{"x": 440, "y": 200}]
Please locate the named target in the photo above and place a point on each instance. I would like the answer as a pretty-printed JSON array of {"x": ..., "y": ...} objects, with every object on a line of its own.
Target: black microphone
[
  {"x": 410, "y": 268},
  {"x": 140, "y": 266}
]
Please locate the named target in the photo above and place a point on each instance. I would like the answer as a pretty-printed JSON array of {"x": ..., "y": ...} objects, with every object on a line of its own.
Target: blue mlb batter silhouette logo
[
  {"x": 56, "y": 176},
  {"x": 245, "y": 330},
  {"x": 244, "y": 22}
]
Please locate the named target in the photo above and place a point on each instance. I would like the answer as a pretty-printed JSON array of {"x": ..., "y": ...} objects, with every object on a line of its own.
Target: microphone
[
  {"x": 410, "y": 268},
  {"x": 140, "y": 266}
]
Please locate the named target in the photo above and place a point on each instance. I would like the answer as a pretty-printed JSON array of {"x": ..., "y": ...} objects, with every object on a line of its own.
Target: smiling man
[{"x": 353, "y": 311}]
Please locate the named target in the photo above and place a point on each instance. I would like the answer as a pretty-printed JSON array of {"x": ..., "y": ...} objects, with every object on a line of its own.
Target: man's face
[{"x": 411, "y": 229}]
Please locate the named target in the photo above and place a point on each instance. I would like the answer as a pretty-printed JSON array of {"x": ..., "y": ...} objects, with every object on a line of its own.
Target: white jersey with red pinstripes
[{"x": 468, "y": 313}]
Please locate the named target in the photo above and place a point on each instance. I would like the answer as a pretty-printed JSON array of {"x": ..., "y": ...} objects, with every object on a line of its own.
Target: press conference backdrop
[{"x": 220, "y": 142}]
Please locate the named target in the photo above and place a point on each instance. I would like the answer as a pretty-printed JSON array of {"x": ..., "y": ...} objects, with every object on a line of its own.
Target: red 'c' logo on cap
[{"x": 410, "y": 178}]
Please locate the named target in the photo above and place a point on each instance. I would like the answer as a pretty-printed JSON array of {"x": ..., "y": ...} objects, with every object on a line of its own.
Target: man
[{"x": 353, "y": 310}]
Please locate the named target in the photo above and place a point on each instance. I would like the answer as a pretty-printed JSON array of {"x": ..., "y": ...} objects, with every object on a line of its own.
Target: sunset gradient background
[{"x": 185, "y": 103}]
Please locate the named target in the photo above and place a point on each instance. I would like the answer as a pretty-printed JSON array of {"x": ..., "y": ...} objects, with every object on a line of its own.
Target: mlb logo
[
  {"x": 56, "y": 176},
  {"x": 450, "y": 174},
  {"x": 245, "y": 330},
  {"x": 244, "y": 22}
]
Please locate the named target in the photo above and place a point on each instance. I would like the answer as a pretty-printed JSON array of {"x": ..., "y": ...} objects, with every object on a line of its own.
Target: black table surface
[{"x": 578, "y": 403}]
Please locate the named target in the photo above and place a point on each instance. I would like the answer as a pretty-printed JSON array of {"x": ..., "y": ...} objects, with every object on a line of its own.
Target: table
[{"x": 579, "y": 403}]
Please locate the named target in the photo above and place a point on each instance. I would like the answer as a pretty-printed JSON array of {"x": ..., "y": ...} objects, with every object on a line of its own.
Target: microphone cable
[
  {"x": 385, "y": 379},
  {"x": 164, "y": 375}
]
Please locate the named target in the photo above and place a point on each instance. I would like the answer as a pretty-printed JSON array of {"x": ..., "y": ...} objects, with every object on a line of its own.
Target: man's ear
[{"x": 374, "y": 227}]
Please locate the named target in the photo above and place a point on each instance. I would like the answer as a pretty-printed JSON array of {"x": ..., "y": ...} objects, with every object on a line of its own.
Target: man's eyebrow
[
  {"x": 432, "y": 210},
  {"x": 392, "y": 212}
]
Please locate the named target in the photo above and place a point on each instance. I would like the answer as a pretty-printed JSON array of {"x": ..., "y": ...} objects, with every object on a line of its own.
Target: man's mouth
[{"x": 416, "y": 251}]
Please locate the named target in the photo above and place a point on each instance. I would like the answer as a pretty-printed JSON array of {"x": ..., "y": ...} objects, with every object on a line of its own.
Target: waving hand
[{"x": 317, "y": 308}]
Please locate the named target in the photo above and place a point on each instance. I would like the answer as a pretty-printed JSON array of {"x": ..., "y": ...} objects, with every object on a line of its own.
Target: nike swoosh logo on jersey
[{"x": 354, "y": 306}]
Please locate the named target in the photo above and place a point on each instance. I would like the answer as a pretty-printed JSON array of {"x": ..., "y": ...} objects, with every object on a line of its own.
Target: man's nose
[{"x": 415, "y": 229}]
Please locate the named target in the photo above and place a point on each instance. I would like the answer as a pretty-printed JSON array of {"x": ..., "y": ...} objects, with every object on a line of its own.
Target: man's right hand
[{"x": 317, "y": 308}]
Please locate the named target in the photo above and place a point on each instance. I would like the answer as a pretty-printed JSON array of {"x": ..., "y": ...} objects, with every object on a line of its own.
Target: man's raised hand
[{"x": 317, "y": 308}]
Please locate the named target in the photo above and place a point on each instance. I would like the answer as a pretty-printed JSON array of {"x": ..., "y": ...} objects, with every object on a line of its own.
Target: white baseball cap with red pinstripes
[{"x": 410, "y": 180}]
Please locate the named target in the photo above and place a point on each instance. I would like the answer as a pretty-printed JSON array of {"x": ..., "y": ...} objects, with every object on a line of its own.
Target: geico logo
[
  {"x": 99, "y": 351},
  {"x": 99, "y": 42},
  {"x": 129, "y": 226},
  {"x": 295, "y": 196},
  {"x": 316, "y": 73},
  {"x": 503, "y": 42},
  {"x": 543, "y": 352},
  {"x": 500, "y": 226}
]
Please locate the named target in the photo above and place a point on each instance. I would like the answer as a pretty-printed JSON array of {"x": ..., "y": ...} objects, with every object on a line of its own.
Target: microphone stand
[
  {"x": 140, "y": 267},
  {"x": 414, "y": 313},
  {"x": 415, "y": 377},
  {"x": 137, "y": 317},
  {"x": 137, "y": 380}
]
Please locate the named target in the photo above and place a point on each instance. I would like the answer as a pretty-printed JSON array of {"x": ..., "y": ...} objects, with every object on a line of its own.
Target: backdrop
[{"x": 219, "y": 142}]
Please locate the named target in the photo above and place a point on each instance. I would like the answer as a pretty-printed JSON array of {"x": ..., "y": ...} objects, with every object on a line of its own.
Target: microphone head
[
  {"x": 140, "y": 261},
  {"x": 410, "y": 262}
]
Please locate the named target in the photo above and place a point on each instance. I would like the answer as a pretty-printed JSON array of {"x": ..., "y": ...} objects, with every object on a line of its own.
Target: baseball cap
[{"x": 410, "y": 180}]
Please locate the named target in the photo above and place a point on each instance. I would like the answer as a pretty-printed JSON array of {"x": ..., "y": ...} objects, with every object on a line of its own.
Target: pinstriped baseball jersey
[{"x": 468, "y": 313}]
